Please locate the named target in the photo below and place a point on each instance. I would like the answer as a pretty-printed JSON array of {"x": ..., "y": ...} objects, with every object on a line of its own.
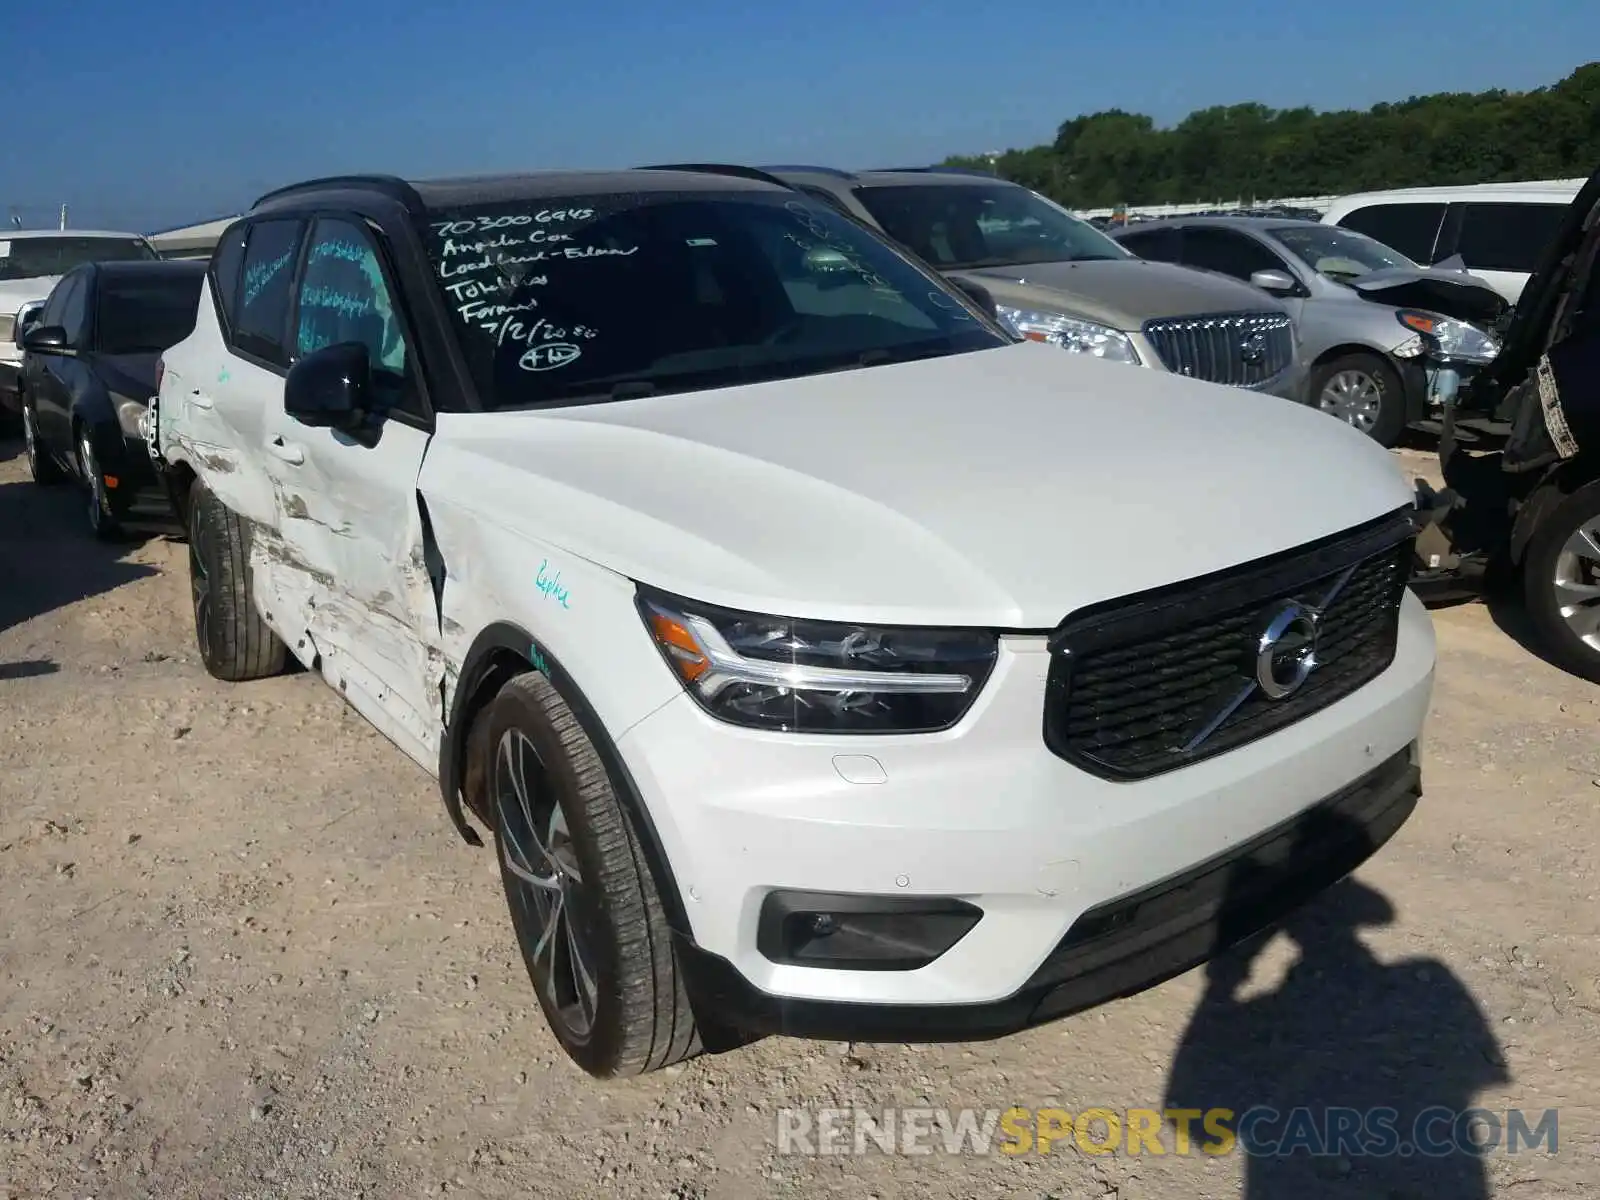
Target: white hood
[
  {"x": 1005, "y": 487},
  {"x": 14, "y": 293}
]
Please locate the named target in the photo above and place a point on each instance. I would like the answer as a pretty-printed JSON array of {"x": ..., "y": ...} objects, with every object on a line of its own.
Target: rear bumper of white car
[{"x": 1083, "y": 887}]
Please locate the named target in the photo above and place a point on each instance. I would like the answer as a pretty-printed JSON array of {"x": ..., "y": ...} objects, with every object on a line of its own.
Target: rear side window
[
  {"x": 1412, "y": 229},
  {"x": 261, "y": 322},
  {"x": 227, "y": 262},
  {"x": 1506, "y": 237}
]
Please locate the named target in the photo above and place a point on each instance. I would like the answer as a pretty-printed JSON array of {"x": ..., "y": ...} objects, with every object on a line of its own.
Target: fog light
[{"x": 861, "y": 933}]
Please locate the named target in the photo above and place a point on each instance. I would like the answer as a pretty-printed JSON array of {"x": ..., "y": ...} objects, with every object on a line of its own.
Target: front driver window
[{"x": 344, "y": 298}]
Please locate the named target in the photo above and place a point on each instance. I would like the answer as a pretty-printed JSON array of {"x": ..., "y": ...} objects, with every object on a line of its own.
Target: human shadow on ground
[
  {"x": 1350, "y": 1078},
  {"x": 48, "y": 557}
]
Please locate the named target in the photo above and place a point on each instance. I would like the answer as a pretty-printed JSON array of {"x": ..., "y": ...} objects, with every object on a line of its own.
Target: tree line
[{"x": 1251, "y": 151}]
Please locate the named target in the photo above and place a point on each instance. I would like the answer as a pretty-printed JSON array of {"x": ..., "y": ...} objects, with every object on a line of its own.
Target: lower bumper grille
[
  {"x": 1238, "y": 349},
  {"x": 1140, "y": 939},
  {"x": 1154, "y": 682}
]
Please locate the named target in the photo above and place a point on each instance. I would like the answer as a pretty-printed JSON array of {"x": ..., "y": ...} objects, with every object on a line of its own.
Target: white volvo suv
[{"x": 821, "y": 658}]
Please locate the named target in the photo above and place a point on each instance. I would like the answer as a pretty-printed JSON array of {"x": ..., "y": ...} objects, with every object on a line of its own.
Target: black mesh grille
[
  {"x": 1133, "y": 684},
  {"x": 1240, "y": 349}
]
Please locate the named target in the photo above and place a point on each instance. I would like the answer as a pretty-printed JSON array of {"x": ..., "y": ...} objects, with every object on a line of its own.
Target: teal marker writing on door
[{"x": 549, "y": 582}]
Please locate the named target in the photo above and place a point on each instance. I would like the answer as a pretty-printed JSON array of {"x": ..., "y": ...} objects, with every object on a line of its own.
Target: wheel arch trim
[{"x": 504, "y": 649}]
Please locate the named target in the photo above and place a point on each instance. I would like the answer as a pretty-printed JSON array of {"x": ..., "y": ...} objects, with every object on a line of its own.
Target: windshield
[
  {"x": 33, "y": 257},
  {"x": 1339, "y": 254},
  {"x": 146, "y": 316},
  {"x": 963, "y": 226},
  {"x": 605, "y": 297}
]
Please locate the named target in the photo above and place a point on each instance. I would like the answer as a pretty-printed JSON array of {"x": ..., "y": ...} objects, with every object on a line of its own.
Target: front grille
[
  {"x": 1238, "y": 349},
  {"x": 1154, "y": 682}
]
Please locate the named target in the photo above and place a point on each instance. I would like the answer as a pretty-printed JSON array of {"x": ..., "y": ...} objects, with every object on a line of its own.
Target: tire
[
  {"x": 1562, "y": 570},
  {"x": 45, "y": 470},
  {"x": 1362, "y": 390},
  {"x": 235, "y": 643},
  {"x": 101, "y": 523},
  {"x": 547, "y": 788}
]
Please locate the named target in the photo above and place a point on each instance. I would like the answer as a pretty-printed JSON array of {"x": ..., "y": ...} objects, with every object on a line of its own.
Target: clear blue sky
[{"x": 146, "y": 115}]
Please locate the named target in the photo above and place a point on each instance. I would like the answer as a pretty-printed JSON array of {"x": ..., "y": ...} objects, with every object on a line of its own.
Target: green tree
[{"x": 1252, "y": 151}]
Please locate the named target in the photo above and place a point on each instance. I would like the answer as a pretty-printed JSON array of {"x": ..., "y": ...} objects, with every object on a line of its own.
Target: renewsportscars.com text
[{"x": 1261, "y": 1131}]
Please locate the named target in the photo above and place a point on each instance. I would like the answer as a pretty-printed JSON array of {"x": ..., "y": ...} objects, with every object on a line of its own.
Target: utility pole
[{"x": 63, "y": 216}]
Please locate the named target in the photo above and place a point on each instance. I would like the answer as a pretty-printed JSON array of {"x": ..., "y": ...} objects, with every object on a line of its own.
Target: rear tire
[
  {"x": 588, "y": 917},
  {"x": 1363, "y": 391},
  {"x": 235, "y": 643},
  {"x": 1561, "y": 583}
]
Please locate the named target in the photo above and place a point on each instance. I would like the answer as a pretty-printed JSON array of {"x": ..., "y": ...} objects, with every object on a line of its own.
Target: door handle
[
  {"x": 289, "y": 452},
  {"x": 200, "y": 400}
]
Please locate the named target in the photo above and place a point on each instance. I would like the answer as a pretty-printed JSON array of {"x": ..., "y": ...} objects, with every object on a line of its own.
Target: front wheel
[
  {"x": 587, "y": 915},
  {"x": 45, "y": 470},
  {"x": 235, "y": 643},
  {"x": 1364, "y": 391},
  {"x": 101, "y": 523},
  {"x": 1561, "y": 583}
]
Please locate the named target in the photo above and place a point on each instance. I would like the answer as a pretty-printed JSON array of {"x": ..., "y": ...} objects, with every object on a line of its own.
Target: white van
[{"x": 1498, "y": 229}]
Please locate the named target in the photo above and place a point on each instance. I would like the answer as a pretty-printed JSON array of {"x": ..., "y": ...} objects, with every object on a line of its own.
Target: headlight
[
  {"x": 1455, "y": 339},
  {"x": 1080, "y": 337},
  {"x": 817, "y": 676},
  {"x": 130, "y": 415}
]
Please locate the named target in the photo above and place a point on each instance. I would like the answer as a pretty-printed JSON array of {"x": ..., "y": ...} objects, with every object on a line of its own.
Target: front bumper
[
  {"x": 1118, "y": 948},
  {"x": 985, "y": 814},
  {"x": 10, "y": 376}
]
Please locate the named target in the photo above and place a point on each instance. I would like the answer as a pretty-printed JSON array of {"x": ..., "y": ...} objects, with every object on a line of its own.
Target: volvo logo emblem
[
  {"x": 1286, "y": 650},
  {"x": 1252, "y": 350},
  {"x": 1278, "y": 659}
]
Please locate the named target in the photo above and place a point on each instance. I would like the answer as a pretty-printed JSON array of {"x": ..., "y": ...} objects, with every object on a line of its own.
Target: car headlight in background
[
  {"x": 1080, "y": 337},
  {"x": 1456, "y": 340},
  {"x": 800, "y": 676},
  {"x": 130, "y": 415}
]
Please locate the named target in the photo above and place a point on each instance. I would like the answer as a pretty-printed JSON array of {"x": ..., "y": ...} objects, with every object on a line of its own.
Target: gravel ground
[{"x": 244, "y": 955}]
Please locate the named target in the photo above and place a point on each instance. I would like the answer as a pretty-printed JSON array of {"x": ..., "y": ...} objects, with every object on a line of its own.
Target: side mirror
[
  {"x": 331, "y": 388},
  {"x": 46, "y": 339},
  {"x": 979, "y": 295},
  {"x": 1280, "y": 283},
  {"x": 27, "y": 317}
]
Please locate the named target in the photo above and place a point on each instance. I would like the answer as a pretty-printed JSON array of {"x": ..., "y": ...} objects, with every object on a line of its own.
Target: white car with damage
[{"x": 821, "y": 658}]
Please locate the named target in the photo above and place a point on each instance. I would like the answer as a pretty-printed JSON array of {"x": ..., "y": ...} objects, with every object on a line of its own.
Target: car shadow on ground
[
  {"x": 1350, "y": 1076},
  {"x": 48, "y": 558}
]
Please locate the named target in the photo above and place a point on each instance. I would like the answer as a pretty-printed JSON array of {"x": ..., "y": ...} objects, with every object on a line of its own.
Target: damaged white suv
[{"x": 823, "y": 659}]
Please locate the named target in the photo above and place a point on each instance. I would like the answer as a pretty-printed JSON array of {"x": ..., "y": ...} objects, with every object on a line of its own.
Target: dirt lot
[{"x": 244, "y": 955}]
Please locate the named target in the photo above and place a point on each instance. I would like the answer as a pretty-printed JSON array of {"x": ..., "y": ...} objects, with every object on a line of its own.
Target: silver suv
[{"x": 1057, "y": 279}]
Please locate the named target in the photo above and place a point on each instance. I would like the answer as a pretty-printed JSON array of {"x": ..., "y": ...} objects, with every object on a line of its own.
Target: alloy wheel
[
  {"x": 200, "y": 582},
  {"x": 1577, "y": 582},
  {"x": 97, "y": 486},
  {"x": 538, "y": 852},
  {"x": 1354, "y": 397},
  {"x": 31, "y": 440}
]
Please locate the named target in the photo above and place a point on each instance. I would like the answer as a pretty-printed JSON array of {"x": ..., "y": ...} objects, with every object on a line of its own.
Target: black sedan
[{"x": 88, "y": 372}]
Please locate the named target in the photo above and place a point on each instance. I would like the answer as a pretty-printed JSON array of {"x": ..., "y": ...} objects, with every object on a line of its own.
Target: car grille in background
[
  {"x": 8, "y": 326},
  {"x": 1239, "y": 349},
  {"x": 1134, "y": 682}
]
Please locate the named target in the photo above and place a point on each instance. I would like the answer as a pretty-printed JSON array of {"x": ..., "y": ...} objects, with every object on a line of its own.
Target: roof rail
[
  {"x": 391, "y": 185},
  {"x": 730, "y": 169},
  {"x": 833, "y": 171}
]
